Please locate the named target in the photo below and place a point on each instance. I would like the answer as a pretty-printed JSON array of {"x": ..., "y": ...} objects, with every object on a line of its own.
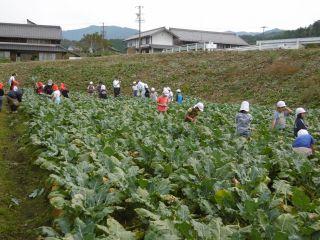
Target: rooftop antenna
[{"x": 139, "y": 20}]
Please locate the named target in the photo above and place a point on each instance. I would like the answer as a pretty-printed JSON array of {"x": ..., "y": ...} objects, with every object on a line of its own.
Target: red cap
[
  {"x": 55, "y": 87},
  {"x": 1, "y": 85}
]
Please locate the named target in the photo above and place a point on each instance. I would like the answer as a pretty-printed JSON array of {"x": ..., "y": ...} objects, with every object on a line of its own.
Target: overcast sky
[{"x": 235, "y": 15}]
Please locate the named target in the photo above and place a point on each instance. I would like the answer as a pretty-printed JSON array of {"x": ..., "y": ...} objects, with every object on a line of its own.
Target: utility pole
[
  {"x": 139, "y": 19},
  {"x": 263, "y": 30},
  {"x": 103, "y": 36}
]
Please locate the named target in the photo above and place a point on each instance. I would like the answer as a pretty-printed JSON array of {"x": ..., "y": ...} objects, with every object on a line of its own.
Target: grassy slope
[
  {"x": 261, "y": 77},
  {"x": 18, "y": 178}
]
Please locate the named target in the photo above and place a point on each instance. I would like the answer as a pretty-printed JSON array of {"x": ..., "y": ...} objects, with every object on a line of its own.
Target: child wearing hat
[
  {"x": 280, "y": 115},
  {"x": 153, "y": 94},
  {"x": 299, "y": 122},
  {"x": 243, "y": 120},
  {"x": 193, "y": 112},
  {"x": 56, "y": 95},
  {"x": 163, "y": 102},
  {"x": 91, "y": 89},
  {"x": 303, "y": 144}
]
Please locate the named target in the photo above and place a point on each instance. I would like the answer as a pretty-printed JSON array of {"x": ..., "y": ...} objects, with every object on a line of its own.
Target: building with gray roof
[
  {"x": 23, "y": 42},
  {"x": 156, "y": 40}
]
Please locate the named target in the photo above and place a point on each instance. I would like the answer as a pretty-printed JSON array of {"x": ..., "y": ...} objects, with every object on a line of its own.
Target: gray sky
[{"x": 235, "y": 15}]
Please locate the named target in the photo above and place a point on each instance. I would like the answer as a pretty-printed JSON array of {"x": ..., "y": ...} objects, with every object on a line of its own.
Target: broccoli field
[{"x": 119, "y": 170}]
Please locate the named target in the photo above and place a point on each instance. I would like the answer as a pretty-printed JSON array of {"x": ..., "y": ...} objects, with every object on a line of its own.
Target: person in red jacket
[{"x": 39, "y": 88}]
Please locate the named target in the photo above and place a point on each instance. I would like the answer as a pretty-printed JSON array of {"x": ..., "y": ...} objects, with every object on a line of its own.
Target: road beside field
[{"x": 19, "y": 214}]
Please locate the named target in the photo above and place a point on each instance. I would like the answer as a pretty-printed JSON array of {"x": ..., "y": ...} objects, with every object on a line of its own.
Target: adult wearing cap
[
  {"x": 141, "y": 89},
  {"x": 304, "y": 143},
  {"x": 48, "y": 88},
  {"x": 243, "y": 120},
  {"x": 179, "y": 97},
  {"x": 299, "y": 122},
  {"x": 90, "y": 88},
  {"x": 280, "y": 115},
  {"x": 116, "y": 87},
  {"x": 193, "y": 112},
  {"x": 163, "y": 102},
  {"x": 135, "y": 89}
]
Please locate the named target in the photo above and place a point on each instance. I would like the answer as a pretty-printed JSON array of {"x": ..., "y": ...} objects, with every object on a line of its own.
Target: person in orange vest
[
  {"x": 1, "y": 95},
  {"x": 64, "y": 90}
]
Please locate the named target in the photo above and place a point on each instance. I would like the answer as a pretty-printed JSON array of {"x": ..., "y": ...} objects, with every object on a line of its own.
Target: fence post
[
  {"x": 196, "y": 47},
  {"x": 204, "y": 47},
  {"x": 260, "y": 46}
]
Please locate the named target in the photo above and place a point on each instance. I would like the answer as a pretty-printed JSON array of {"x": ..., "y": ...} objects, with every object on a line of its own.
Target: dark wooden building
[{"x": 25, "y": 42}]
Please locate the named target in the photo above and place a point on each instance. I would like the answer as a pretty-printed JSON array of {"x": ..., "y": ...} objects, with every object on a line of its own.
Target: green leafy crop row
[{"x": 122, "y": 171}]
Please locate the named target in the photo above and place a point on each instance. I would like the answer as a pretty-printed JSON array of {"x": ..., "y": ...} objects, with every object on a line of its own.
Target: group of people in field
[
  {"x": 303, "y": 143},
  {"x": 14, "y": 94},
  {"x": 140, "y": 89},
  {"x": 52, "y": 90}
]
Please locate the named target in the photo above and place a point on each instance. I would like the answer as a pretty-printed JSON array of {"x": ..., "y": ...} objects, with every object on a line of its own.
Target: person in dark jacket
[
  {"x": 300, "y": 123},
  {"x": 48, "y": 88},
  {"x": 13, "y": 101}
]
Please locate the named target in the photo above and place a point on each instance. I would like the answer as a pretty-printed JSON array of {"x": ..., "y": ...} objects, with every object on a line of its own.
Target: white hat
[
  {"x": 91, "y": 83},
  {"x": 103, "y": 87},
  {"x": 153, "y": 89},
  {"x": 281, "y": 104},
  {"x": 146, "y": 86},
  {"x": 245, "y": 106},
  {"x": 169, "y": 89},
  {"x": 200, "y": 106},
  {"x": 165, "y": 92},
  {"x": 178, "y": 91},
  {"x": 300, "y": 110},
  {"x": 15, "y": 88},
  {"x": 50, "y": 82},
  {"x": 303, "y": 132},
  {"x": 134, "y": 82}
]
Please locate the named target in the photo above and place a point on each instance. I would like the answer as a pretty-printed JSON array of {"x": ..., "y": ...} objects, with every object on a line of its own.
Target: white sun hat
[
  {"x": 300, "y": 110},
  {"x": 153, "y": 89},
  {"x": 302, "y": 132},
  {"x": 146, "y": 85},
  {"x": 245, "y": 106},
  {"x": 178, "y": 91},
  {"x": 91, "y": 83},
  {"x": 103, "y": 87},
  {"x": 281, "y": 104},
  {"x": 166, "y": 92},
  {"x": 200, "y": 106},
  {"x": 134, "y": 82}
]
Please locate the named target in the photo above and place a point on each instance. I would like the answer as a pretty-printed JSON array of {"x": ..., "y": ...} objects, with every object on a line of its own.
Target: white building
[{"x": 161, "y": 38}]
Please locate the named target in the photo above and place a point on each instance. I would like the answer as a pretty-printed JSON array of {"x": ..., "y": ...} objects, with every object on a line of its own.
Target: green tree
[{"x": 94, "y": 43}]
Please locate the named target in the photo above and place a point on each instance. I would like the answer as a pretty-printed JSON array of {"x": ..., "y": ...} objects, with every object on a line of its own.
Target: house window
[{"x": 147, "y": 40}]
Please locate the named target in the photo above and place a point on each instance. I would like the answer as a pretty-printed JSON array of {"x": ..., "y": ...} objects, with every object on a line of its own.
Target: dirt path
[{"x": 19, "y": 214}]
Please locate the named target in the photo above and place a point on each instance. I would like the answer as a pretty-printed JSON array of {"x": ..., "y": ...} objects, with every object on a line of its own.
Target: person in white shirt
[
  {"x": 170, "y": 94},
  {"x": 141, "y": 89},
  {"x": 11, "y": 80},
  {"x": 135, "y": 89},
  {"x": 103, "y": 92},
  {"x": 116, "y": 87}
]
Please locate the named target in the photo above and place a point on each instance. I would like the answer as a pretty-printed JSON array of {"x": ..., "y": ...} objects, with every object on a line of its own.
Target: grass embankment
[
  {"x": 261, "y": 77},
  {"x": 19, "y": 214}
]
